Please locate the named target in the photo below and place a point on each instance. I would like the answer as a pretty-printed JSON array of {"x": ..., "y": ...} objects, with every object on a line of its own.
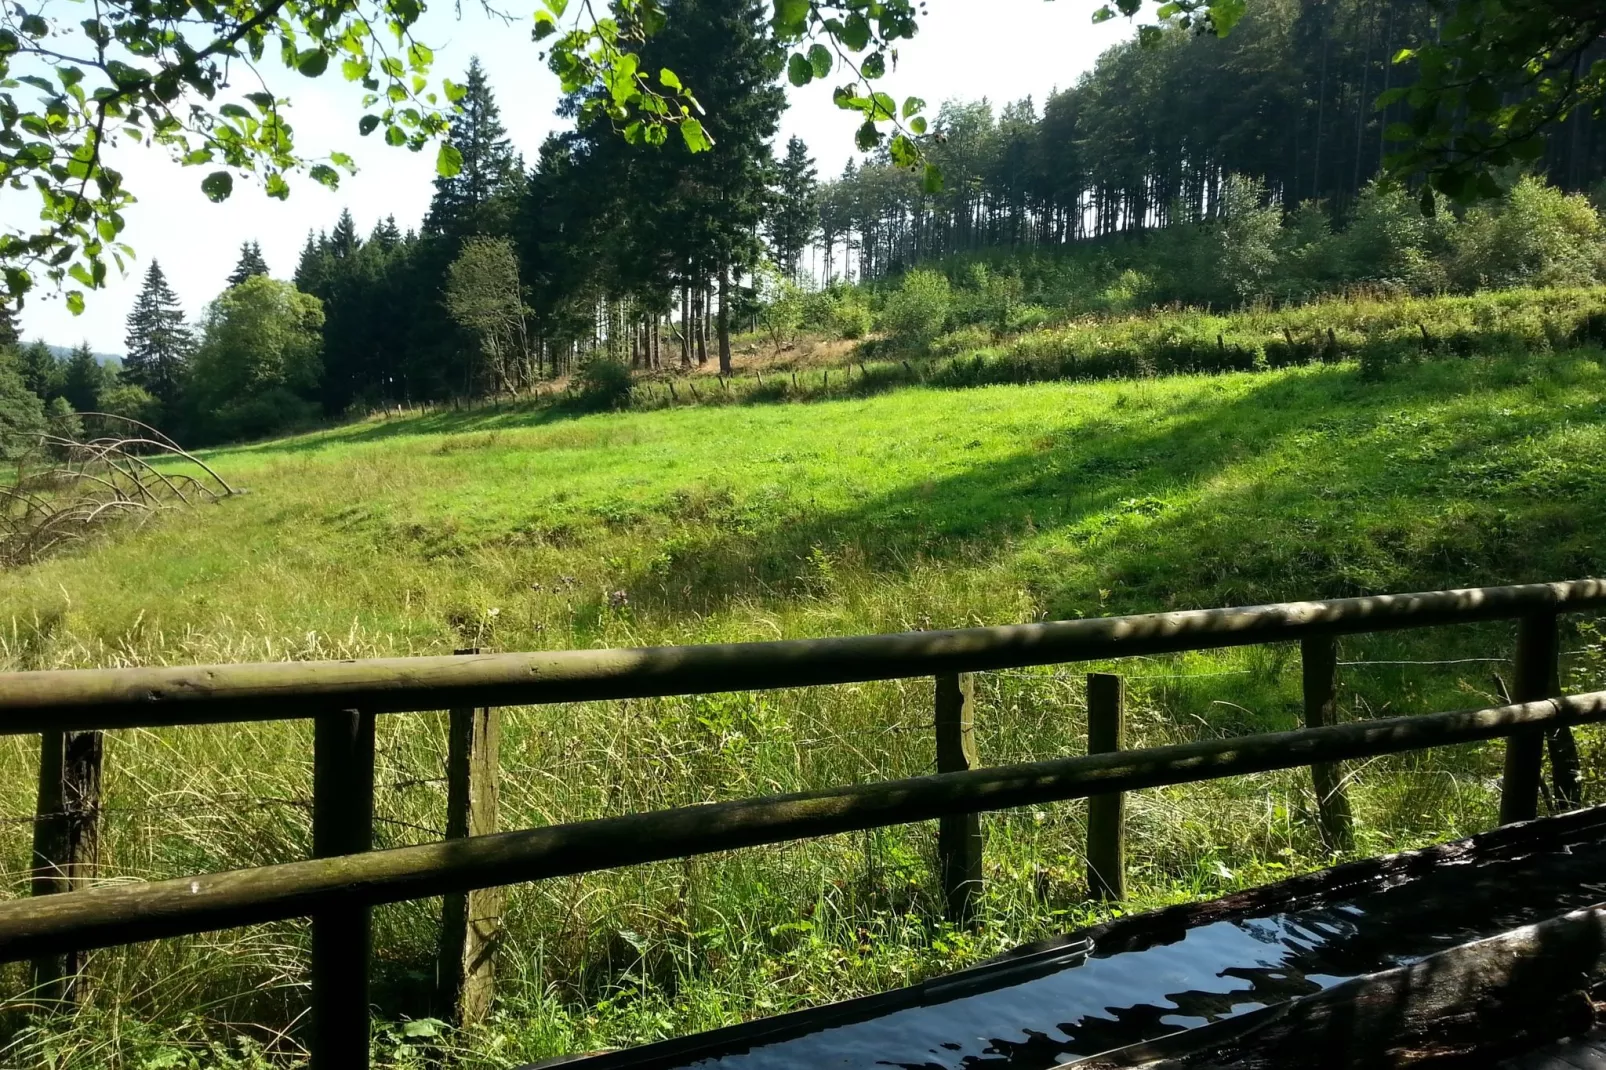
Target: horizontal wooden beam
[
  {"x": 152, "y": 697},
  {"x": 124, "y": 913}
]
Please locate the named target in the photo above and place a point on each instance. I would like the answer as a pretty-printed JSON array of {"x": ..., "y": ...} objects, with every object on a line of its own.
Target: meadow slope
[{"x": 920, "y": 508}]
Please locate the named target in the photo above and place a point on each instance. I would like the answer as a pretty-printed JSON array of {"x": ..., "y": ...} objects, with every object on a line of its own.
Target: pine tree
[
  {"x": 251, "y": 263},
  {"x": 796, "y": 218},
  {"x": 386, "y": 234},
  {"x": 40, "y": 369},
  {"x": 489, "y": 169},
  {"x": 9, "y": 339},
  {"x": 83, "y": 379},
  {"x": 159, "y": 343},
  {"x": 313, "y": 265},
  {"x": 343, "y": 240}
]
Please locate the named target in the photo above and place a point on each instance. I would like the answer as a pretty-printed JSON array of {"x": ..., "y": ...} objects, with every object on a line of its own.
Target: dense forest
[{"x": 1189, "y": 169}]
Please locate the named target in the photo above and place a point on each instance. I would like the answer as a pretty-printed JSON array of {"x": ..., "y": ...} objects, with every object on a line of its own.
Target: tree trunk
[
  {"x": 700, "y": 313},
  {"x": 685, "y": 325},
  {"x": 724, "y": 319}
]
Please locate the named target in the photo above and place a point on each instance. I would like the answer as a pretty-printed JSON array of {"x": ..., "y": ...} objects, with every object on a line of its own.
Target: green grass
[{"x": 912, "y": 509}]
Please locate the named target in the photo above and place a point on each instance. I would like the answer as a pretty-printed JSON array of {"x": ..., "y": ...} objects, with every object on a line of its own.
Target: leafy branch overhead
[
  {"x": 186, "y": 76},
  {"x": 190, "y": 76}
]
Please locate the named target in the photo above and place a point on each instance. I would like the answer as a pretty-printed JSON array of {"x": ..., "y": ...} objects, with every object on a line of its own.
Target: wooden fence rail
[{"x": 339, "y": 887}]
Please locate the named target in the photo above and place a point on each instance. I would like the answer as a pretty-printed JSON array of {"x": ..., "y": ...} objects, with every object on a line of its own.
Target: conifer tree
[
  {"x": 159, "y": 343},
  {"x": 250, "y": 265},
  {"x": 83, "y": 379},
  {"x": 796, "y": 218},
  {"x": 343, "y": 240},
  {"x": 489, "y": 168},
  {"x": 40, "y": 369}
]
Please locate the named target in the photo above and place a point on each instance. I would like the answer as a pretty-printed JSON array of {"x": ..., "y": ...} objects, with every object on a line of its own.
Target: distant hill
[{"x": 113, "y": 360}]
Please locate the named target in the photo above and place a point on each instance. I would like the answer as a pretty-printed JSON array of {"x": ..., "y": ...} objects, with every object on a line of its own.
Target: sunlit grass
[{"x": 922, "y": 508}]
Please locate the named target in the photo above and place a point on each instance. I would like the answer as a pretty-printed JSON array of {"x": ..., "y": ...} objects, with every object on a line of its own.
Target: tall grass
[{"x": 914, "y": 509}]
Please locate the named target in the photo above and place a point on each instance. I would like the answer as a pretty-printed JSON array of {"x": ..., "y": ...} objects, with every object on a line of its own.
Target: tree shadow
[{"x": 1136, "y": 505}]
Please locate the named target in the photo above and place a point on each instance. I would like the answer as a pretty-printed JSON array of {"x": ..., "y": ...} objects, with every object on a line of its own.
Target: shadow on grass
[{"x": 1316, "y": 485}]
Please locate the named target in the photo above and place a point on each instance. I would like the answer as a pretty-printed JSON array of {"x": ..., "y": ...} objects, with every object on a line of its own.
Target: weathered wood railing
[{"x": 339, "y": 887}]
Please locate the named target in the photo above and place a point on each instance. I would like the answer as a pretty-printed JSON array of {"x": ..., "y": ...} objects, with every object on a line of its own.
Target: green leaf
[
  {"x": 75, "y": 301},
  {"x": 217, "y": 186},
  {"x": 420, "y": 56},
  {"x": 557, "y": 7},
  {"x": 312, "y": 62},
  {"x": 820, "y": 60},
  {"x": 448, "y": 161},
  {"x": 874, "y": 65},
  {"x": 325, "y": 175},
  {"x": 355, "y": 70},
  {"x": 1103, "y": 14},
  {"x": 932, "y": 182},
  {"x": 855, "y": 33},
  {"x": 395, "y": 135},
  {"x": 791, "y": 18},
  {"x": 913, "y": 106},
  {"x": 669, "y": 79},
  {"x": 423, "y": 1027},
  {"x": 903, "y": 152},
  {"x": 917, "y": 125},
  {"x": 1225, "y": 14},
  {"x": 695, "y": 137},
  {"x": 868, "y": 137},
  {"x": 367, "y": 124},
  {"x": 798, "y": 70},
  {"x": 544, "y": 26}
]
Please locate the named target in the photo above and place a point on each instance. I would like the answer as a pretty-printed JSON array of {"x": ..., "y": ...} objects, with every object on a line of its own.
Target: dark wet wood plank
[{"x": 1584, "y": 1053}]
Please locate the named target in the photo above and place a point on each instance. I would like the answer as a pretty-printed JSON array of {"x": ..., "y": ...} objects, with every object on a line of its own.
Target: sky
[{"x": 1002, "y": 50}]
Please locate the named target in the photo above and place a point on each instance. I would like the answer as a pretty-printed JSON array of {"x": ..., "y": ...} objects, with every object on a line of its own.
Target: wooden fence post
[
  {"x": 66, "y": 843},
  {"x": 342, "y": 823},
  {"x": 959, "y": 838},
  {"x": 1106, "y": 814},
  {"x": 1319, "y": 671},
  {"x": 471, "y": 922},
  {"x": 1537, "y": 651}
]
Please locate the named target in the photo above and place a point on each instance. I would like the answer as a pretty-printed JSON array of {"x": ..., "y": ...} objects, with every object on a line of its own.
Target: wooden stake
[
  {"x": 342, "y": 824},
  {"x": 1319, "y": 663},
  {"x": 1106, "y": 814},
  {"x": 959, "y": 838},
  {"x": 471, "y": 922}
]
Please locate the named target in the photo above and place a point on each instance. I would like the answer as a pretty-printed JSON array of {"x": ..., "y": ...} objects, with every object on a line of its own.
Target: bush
[
  {"x": 839, "y": 311},
  {"x": 133, "y": 402},
  {"x": 275, "y": 411},
  {"x": 604, "y": 384},
  {"x": 1540, "y": 236},
  {"x": 918, "y": 310}
]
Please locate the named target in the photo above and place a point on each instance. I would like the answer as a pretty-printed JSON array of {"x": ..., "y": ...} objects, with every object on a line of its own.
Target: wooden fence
[{"x": 339, "y": 886}]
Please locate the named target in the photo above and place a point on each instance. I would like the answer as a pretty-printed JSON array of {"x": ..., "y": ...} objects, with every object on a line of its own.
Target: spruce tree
[
  {"x": 343, "y": 240},
  {"x": 489, "y": 169},
  {"x": 83, "y": 379},
  {"x": 159, "y": 343},
  {"x": 40, "y": 369},
  {"x": 251, "y": 263},
  {"x": 796, "y": 218}
]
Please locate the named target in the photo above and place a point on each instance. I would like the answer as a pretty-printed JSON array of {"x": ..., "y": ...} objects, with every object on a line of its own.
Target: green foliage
[
  {"x": 782, "y": 306},
  {"x": 918, "y": 310},
  {"x": 158, "y": 78},
  {"x": 604, "y": 384},
  {"x": 159, "y": 342},
  {"x": 1539, "y": 236},
  {"x": 258, "y": 361},
  {"x": 83, "y": 379},
  {"x": 838, "y": 311},
  {"x": 22, "y": 414},
  {"x": 134, "y": 402},
  {"x": 251, "y": 263},
  {"x": 62, "y": 420},
  {"x": 484, "y": 297}
]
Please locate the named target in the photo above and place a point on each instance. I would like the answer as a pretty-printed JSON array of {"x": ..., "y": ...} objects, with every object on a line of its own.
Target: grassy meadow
[{"x": 920, "y": 507}]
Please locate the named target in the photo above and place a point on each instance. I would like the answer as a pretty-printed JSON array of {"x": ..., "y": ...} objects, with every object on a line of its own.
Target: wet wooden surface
[{"x": 1584, "y": 1053}]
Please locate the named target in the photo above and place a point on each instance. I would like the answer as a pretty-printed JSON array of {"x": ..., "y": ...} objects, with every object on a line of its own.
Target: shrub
[
  {"x": 1540, "y": 236},
  {"x": 604, "y": 384},
  {"x": 918, "y": 310},
  {"x": 131, "y": 401},
  {"x": 964, "y": 340}
]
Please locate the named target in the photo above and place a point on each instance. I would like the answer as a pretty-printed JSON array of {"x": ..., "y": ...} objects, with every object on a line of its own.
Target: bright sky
[{"x": 967, "y": 49}]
